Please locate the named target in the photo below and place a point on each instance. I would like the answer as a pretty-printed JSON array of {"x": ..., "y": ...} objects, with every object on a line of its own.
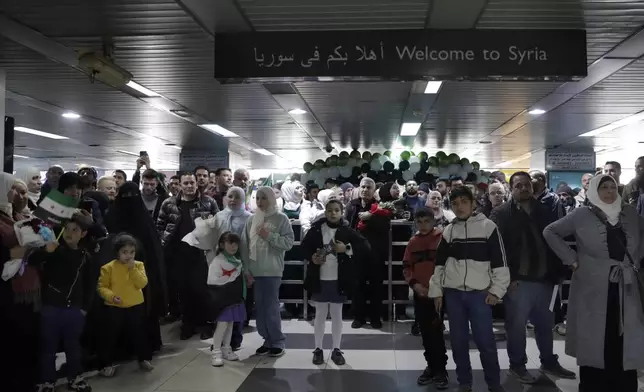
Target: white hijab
[
  {"x": 259, "y": 218},
  {"x": 612, "y": 210},
  {"x": 27, "y": 175},
  {"x": 7, "y": 181},
  {"x": 325, "y": 195},
  {"x": 291, "y": 195}
]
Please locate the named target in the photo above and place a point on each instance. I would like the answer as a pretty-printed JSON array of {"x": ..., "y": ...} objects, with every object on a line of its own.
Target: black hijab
[
  {"x": 385, "y": 192},
  {"x": 128, "y": 214}
]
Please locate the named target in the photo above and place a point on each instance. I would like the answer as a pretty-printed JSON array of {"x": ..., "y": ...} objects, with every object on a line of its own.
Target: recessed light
[
  {"x": 536, "y": 112},
  {"x": 20, "y": 156},
  {"x": 71, "y": 115},
  {"x": 40, "y": 133},
  {"x": 218, "y": 130},
  {"x": 433, "y": 87},
  {"x": 410, "y": 129},
  {"x": 145, "y": 91},
  {"x": 128, "y": 153},
  {"x": 262, "y": 151},
  {"x": 297, "y": 111}
]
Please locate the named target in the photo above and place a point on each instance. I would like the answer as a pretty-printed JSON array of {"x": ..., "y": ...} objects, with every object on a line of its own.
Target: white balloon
[
  {"x": 413, "y": 159},
  {"x": 468, "y": 167},
  {"x": 408, "y": 175},
  {"x": 305, "y": 178},
  {"x": 433, "y": 170},
  {"x": 376, "y": 165},
  {"x": 443, "y": 172},
  {"x": 463, "y": 175},
  {"x": 383, "y": 159},
  {"x": 414, "y": 167},
  {"x": 345, "y": 171},
  {"x": 454, "y": 168},
  {"x": 324, "y": 172},
  {"x": 315, "y": 173},
  {"x": 334, "y": 172}
]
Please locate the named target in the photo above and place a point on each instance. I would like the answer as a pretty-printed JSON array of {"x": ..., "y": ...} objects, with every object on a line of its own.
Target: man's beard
[{"x": 412, "y": 192}]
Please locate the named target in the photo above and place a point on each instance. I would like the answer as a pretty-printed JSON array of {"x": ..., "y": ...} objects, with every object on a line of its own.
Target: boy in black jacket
[{"x": 67, "y": 290}]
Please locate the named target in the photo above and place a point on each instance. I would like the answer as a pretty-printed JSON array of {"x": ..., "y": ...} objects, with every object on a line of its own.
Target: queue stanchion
[{"x": 390, "y": 294}]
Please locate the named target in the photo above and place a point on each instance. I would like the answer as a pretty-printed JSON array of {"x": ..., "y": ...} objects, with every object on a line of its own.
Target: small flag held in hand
[{"x": 56, "y": 208}]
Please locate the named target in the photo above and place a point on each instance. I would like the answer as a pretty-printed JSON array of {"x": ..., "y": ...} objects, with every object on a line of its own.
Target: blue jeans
[
  {"x": 529, "y": 301},
  {"x": 267, "y": 308},
  {"x": 465, "y": 308},
  {"x": 58, "y": 324}
]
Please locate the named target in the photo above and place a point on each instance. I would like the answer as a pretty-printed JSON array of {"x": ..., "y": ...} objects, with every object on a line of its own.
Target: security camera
[{"x": 328, "y": 149}]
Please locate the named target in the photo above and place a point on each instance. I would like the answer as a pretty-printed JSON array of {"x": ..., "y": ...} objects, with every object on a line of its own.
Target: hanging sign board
[
  {"x": 401, "y": 55},
  {"x": 570, "y": 160},
  {"x": 191, "y": 159}
]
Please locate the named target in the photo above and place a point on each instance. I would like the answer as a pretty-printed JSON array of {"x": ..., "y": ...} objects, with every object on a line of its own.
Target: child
[
  {"x": 227, "y": 285},
  {"x": 67, "y": 291},
  {"x": 331, "y": 246},
  {"x": 472, "y": 273},
  {"x": 121, "y": 287},
  {"x": 418, "y": 267}
]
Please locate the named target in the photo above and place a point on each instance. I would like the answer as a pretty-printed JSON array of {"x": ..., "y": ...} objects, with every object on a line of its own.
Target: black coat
[{"x": 346, "y": 264}]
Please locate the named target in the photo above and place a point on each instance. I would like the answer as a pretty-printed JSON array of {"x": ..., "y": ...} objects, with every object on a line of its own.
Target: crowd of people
[{"x": 206, "y": 249}]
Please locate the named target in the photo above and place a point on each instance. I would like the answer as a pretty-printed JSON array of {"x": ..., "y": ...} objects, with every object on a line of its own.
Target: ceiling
[{"x": 168, "y": 46}]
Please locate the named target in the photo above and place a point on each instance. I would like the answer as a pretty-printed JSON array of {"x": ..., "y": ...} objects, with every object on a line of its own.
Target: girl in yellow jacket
[{"x": 121, "y": 286}]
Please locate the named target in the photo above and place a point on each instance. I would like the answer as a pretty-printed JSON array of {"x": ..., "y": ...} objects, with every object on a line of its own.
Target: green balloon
[
  {"x": 444, "y": 161},
  {"x": 405, "y": 155},
  {"x": 375, "y": 155},
  {"x": 319, "y": 164},
  {"x": 388, "y": 153},
  {"x": 342, "y": 161},
  {"x": 476, "y": 165},
  {"x": 454, "y": 158},
  {"x": 440, "y": 154},
  {"x": 433, "y": 161},
  {"x": 308, "y": 166},
  {"x": 355, "y": 154},
  {"x": 332, "y": 160},
  {"x": 464, "y": 161},
  {"x": 422, "y": 156},
  {"x": 412, "y": 153},
  {"x": 366, "y": 156},
  {"x": 344, "y": 154}
]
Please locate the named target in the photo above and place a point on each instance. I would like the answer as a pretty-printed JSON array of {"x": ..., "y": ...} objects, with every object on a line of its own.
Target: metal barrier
[{"x": 295, "y": 271}]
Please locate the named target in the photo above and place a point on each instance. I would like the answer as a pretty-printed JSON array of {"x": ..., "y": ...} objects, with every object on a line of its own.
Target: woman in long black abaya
[{"x": 129, "y": 214}]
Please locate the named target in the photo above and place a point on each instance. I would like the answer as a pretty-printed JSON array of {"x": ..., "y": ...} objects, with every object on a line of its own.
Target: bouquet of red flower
[{"x": 385, "y": 209}]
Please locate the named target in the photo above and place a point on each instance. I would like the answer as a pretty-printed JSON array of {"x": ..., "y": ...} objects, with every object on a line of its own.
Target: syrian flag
[{"x": 56, "y": 208}]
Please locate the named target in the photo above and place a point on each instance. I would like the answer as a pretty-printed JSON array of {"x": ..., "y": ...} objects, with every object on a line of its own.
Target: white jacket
[{"x": 470, "y": 257}]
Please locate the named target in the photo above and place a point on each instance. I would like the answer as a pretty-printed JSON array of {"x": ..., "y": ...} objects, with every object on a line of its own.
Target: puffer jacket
[
  {"x": 170, "y": 215},
  {"x": 470, "y": 257}
]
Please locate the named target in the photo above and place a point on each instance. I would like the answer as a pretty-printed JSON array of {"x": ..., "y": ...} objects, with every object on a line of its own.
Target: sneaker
[
  {"x": 236, "y": 348},
  {"x": 262, "y": 350},
  {"x": 146, "y": 366},
  {"x": 560, "y": 329},
  {"x": 415, "y": 329},
  {"x": 337, "y": 357},
  {"x": 530, "y": 326},
  {"x": 441, "y": 381},
  {"x": 426, "y": 377},
  {"x": 523, "y": 375},
  {"x": 276, "y": 352},
  {"x": 318, "y": 357},
  {"x": 558, "y": 371},
  {"x": 464, "y": 388},
  {"x": 229, "y": 355},
  {"x": 45, "y": 387},
  {"x": 376, "y": 324},
  {"x": 78, "y": 385},
  {"x": 217, "y": 358},
  {"x": 497, "y": 388},
  {"x": 108, "y": 371},
  {"x": 356, "y": 324}
]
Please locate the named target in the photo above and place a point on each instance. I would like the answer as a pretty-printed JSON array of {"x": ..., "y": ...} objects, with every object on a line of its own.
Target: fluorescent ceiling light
[
  {"x": 297, "y": 111},
  {"x": 40, "y": 133},
  {"x": 219, "y": 130},
  {"x": 410, "y": 129},
  {"x": 617, "y": 124},
  {"x": 262, "y": 151},
  {"x": 128, "y": 153},
  {"x": 145, "y": 91},
  {"x": 20, "y": 156},
  {"x": 433, "y": 87},
  {"x": 536, "y": 112},
  {"x": 517, "y": 159},
  {"x": 71, "y": 115}
]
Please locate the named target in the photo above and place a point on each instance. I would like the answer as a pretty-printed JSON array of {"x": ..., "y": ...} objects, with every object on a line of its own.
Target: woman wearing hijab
[
  {"x": 31, "y": 177},
  {"x": 442, "y": 216},
  {"x": 19, "y": 299},
  {"x": 129, "y": 214},
  {"x": 268, "y": 235},
  {"x": 315, "y": 209},
  {"x": 605, "y": 330},
  {"x": 292, "y": 193}
]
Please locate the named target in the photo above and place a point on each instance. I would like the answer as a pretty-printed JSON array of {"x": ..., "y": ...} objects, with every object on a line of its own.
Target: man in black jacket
[
  {"x": 534, "y": 271},
  {"x": 372, "y": 268}
]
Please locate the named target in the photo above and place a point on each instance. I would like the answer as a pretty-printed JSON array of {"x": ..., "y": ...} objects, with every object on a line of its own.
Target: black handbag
[{"x": 638, "y": 272}]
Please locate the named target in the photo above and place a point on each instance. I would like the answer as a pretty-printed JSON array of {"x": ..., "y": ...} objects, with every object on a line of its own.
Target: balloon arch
[{"x": 385, "y": 167}]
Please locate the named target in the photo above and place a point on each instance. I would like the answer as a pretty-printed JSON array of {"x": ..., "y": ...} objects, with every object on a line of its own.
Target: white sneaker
[
  {"x": 217, "y": 358},
  {"x": 108, "y": 371},
  {"x": 146, "y": 366},
  {"x": 228, "y": 354}
]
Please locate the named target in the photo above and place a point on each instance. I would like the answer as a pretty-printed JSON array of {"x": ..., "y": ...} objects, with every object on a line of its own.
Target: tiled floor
[{"x": 384, "y": 360}]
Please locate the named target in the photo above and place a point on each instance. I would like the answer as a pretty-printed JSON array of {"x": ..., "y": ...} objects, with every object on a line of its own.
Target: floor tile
[
  {"x": 365, "y": 360},
  {"x": 414, "y": 360},
  {"x": 293, "y": 359},
  {"x": 407, "y": 383},
  {"x": 349, "y": 341},
  {"x": 207, "y": 378}
]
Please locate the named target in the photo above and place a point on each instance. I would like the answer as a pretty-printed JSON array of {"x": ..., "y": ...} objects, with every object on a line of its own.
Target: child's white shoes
[
  {"x": 226, "y": 353},
  {"x": 229, "y": 354}
]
